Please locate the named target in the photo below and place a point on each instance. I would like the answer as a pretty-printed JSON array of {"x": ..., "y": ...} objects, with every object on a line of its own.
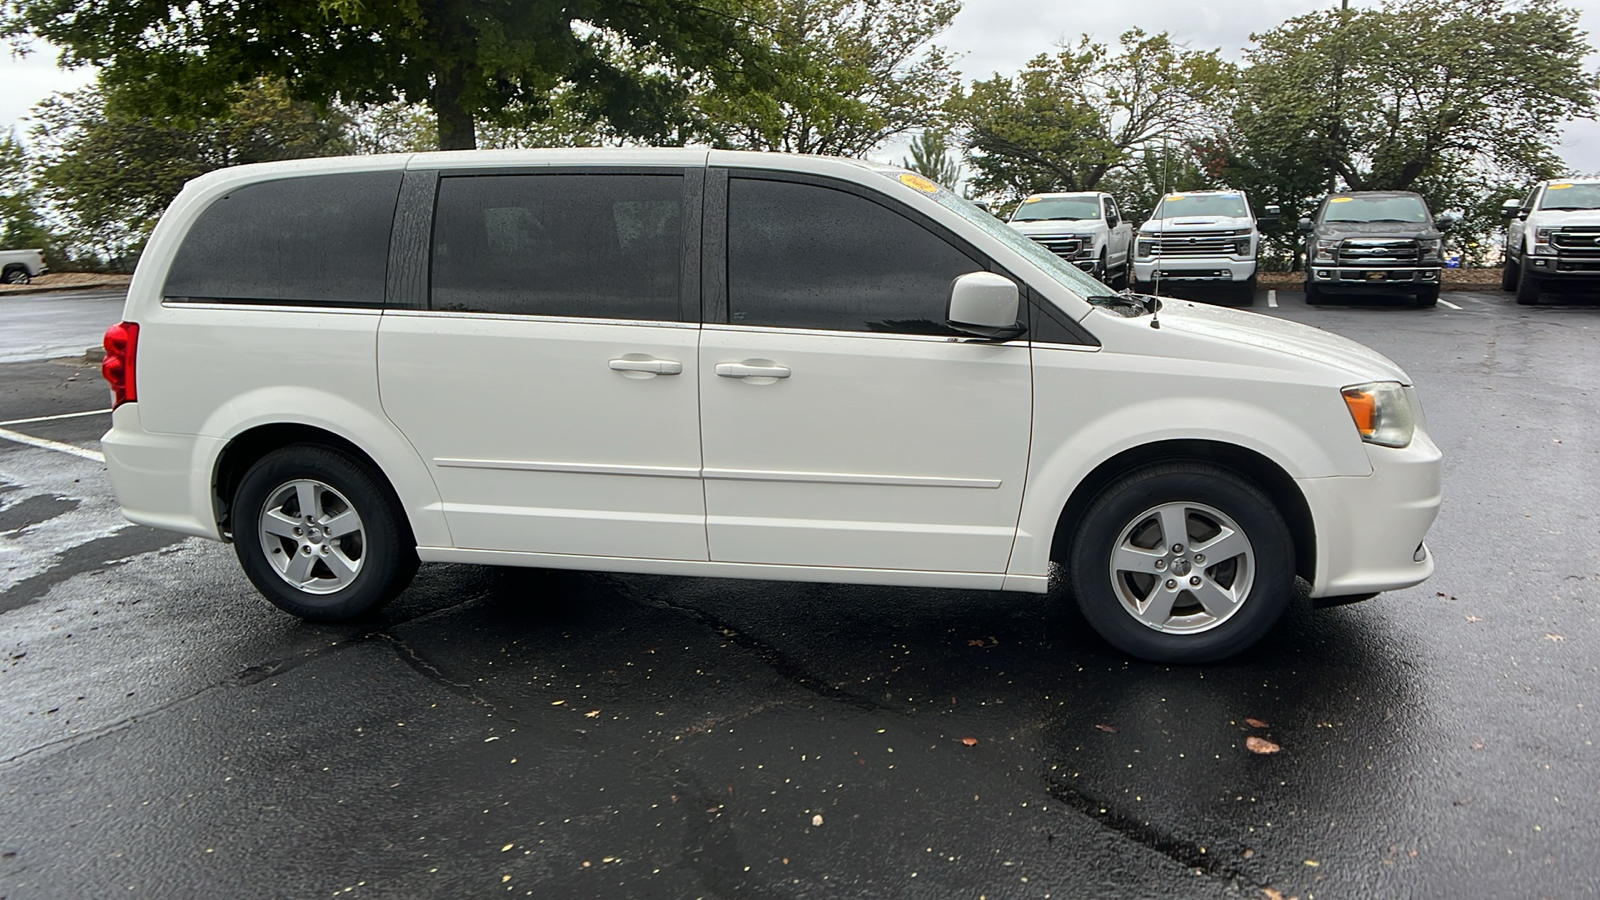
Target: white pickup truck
[
  {"x": 1201, "y": 237},
  {"x": 1084, "y": 228},
  {"x": 1553, "y": 239},
  {"x": 20, "y": 266}
]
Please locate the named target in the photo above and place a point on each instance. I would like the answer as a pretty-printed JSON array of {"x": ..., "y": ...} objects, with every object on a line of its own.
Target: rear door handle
[
  {"x": 740, "y": 370},
  {"x": 653, "y": 366}
]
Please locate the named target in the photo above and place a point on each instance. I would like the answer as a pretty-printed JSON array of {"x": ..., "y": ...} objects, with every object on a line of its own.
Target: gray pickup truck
[{"x": 1374, "y": 242}]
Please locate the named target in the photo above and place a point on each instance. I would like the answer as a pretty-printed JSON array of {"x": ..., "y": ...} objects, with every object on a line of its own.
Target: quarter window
[
  {"x": 594, "y": 246},
  {"x": 805, "y": 256},
  {"x": 316, "y": 240}
]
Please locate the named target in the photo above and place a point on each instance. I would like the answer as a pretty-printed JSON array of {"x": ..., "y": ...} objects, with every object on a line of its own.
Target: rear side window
[
  {"x": 804, "y": 256},
  {"x": 591, "y": 246},
  {"x": 318, "y": 240}
]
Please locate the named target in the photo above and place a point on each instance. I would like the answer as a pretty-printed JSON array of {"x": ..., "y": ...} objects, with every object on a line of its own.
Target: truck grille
[
  {"x": 1195, "y": 243},
  {"x": 1378, "y": 252},
  {"x": 1065, "y": 246},
  {"x": 1577, "y": 242}
]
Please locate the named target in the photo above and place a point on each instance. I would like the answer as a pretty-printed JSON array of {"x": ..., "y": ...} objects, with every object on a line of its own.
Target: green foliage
[
  {"x": 930, "y": 158},
  {"x": 108, "y": 172},
  {"x": 21, "y": 226},
  {"x": 467, "y": 60},
  {"x": 1070, "y": 119}
]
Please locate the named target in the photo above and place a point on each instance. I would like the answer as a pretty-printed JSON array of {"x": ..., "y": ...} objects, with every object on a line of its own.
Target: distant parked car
[
  {"x": 1201, "y": 237},
  {"x": 1084, "y": 228},
  {"x": 21, "y": 266},
  {"x": 1553, "y": 237},
  {"x": 1364, "y": 242}
]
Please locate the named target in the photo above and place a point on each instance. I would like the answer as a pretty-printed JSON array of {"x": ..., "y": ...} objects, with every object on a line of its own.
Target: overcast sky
[{"x": 991, "y": 36}]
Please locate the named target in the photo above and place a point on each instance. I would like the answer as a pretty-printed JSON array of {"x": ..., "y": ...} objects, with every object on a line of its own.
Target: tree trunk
[{"x": 457, "y": 129}]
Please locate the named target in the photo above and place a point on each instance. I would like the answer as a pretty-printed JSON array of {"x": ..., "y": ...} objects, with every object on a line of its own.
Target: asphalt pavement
[
  {"x": 164, "y": 732},
  {"x": 56, "y": 324}
]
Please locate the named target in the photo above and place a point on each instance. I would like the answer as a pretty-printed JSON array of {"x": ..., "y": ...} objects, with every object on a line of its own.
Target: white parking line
[
  {"x": 1272, "y": 299},
  {"x": 1444, "y": 302},
  {"x": 76, "y": 415},
  {"x": 46, "y": 444}
]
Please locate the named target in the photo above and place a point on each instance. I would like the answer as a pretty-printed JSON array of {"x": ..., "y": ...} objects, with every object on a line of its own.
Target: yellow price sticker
[
  {"x": 911, "y": 179},
  {"x": 1176, "y": 197},
  {"x": 1559, "y": 187},
  {"x": 1033, "y": 200},
  {"x": 1340, "y": 199}
]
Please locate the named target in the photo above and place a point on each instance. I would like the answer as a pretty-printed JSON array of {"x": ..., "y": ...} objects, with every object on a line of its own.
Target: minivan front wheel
[
  {"x": 1182, "y": 563},
  {"x": 319, "y": 536}
]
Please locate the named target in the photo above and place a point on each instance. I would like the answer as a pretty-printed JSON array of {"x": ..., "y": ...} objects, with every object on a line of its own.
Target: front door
[
  {"x": 843, "y": 425},
  {"x": 551, "y": 388}
]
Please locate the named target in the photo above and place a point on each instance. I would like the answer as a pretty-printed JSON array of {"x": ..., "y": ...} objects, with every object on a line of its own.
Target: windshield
[
  {"x": 1069, "y": 275},
  {"x": 1375, "y": 209},
  {"x": 1571, "y": 196},
  {"x": 1174, "y": 205},
  {"x": 1038, "y": 209}
]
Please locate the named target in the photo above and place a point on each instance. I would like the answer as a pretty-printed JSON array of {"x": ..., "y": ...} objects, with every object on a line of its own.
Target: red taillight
[{"x": 122, "y": 347}]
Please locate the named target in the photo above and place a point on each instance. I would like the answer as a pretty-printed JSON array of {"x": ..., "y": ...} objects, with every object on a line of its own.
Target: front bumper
[
  {"x": 1564, "y": 268},
  {"x": 161, "y": 480},
  {"x": 1352, "y": 279},
  {"x": 1370, "y": 529},
  {"x": 1195, "y": 269}
]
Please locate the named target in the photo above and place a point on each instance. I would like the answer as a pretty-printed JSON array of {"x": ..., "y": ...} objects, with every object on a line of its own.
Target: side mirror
[
  {"x": 1446, "y": 221},
  {"x": 1269, "y": 216},
  {"x": 984, "y": 304},
  {"x": 1305, "y": 226},
  {"x": 1112, "y": 219},
  {"x": 1510, "y": 209}
]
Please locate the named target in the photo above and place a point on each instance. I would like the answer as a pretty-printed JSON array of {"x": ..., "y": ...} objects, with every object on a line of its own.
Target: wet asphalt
[{"x": 499, "y": 732}]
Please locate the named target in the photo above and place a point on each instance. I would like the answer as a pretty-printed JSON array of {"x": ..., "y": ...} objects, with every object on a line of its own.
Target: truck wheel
[
  {"x": 1527, "y": 287},
  {"x": 1314, "y": 295},
  {"x": 1246, "y": 295},
  {"x": 320, "y": 535},
  {"x": 1509, "y": 274},
  {"x": 1124, "y": 277},
  {"x": 15, "y": 274},
  {"x": 1105, "y": 271},
  {"x": 1182, "y": 563},
  {"x": 1428, "y": 296}
]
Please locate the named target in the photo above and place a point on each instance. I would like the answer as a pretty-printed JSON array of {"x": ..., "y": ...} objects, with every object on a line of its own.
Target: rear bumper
[
  {"x": 1370, "y": 529},
  {"x": 1196, "y": 269},
  {"x": 161, "y": 480}
]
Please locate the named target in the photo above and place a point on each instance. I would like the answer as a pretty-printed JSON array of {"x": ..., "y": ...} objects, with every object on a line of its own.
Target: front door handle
[
  {"x": 653, "y": 366},
  {"x": 740, "y": 370}
]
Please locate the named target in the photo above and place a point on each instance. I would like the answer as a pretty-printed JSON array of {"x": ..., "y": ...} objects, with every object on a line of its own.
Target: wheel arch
[{"x": 1249, "y": 465}]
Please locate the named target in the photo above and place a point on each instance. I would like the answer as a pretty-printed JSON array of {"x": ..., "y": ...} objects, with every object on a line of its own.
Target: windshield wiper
[{"x": 1128, "y": 306}]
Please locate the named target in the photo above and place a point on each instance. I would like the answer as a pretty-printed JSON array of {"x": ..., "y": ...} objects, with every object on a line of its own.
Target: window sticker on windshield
[
  {"x": 1340, "y": 199},
  {"x": 1175, "y": 197},
  {"x": 1033, "y": 200},
  {"x": 1559, "y": 187},
  {"x": 911, "y": 179}
]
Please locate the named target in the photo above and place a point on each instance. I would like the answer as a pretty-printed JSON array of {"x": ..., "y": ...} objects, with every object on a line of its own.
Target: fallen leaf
[
  {"x": 1313, "y": 863},
  {"x": 592, "y": 714},
  {"x": 1555, "y": 638},
  {"x": 1260, "y": 745},
  {"x": 984, "y": 642},
  {"x": 816, "y": 820},
  {"x": 558, "y": 703},
  {"x": 1463, "y": 801},
  {"x": 1111, "y": 728},
  {"x": 970, "y": 741},
  {"x": 1474, "y": 618},
  {"x": 1255, "y": 723},
  {"x": 506, "y": 878},
  {"x": 1476, "y": 745},
  {"x": 1273, "y": 894},
  {"x": 507, "y": 847},
  {"x": 1248, "y": 853}
]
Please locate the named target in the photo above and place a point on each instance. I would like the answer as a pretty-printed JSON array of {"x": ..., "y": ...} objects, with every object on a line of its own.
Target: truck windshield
[
  {"x": 1375, "y": 209},
  {"x": 1039, "y": 209},
  {"x": 1571, "y": 196},
  {"x": 1174, "y": 205}
]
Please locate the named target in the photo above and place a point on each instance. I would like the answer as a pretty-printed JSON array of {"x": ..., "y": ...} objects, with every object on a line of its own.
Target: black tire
[
  {"x": 1314, "y": 295},
  {"x": 1104, "y": 273},
  {"x": 1528, "y": 287},
  {"x": 16, "y": 275},
  {"x": 384, "y": 550},
  {"x": 1144, "y": 287},
  {"x": 1126, "y": 504},
  {"x": 1509, "y": 273},
  {"x": 1246, "y": 295},
  {"x": 1428, "y": 296}
]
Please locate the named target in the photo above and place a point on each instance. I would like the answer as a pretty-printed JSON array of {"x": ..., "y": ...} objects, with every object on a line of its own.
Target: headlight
[
  {"x": 1145, "y": 249},
  {"x": 1428, "y": 248},
  {"x": 1541, "y": 240},
  {"x": 1381, "y": 412},
  {"x": 1241, "y": 247},
  {"x": 1325, "y": 252}
]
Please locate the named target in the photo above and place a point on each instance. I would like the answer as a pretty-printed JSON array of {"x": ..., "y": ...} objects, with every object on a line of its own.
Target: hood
[
  {"x": 1418, "y": 230},
  {"x": 1282, "y": 336},
  {"x": 1549, "y": 218},
  {"x": 1196, "y": 223},
  {"x": 1058, "y": 226}
]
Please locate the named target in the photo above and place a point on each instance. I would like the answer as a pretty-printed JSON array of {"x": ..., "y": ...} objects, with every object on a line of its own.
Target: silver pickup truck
[{"x": 21, "y": 266}]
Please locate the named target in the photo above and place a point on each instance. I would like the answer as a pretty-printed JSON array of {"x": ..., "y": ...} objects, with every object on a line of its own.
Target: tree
[
  {"x": 1389, "y": 97},
  {"x": 1070, "y": 119},
  {"x": 930, "y": 158},
  {"x": 21, "y": 226},
  {"x": 109, "y": 172},
  {"x": 847, "y": 75},
  {"x": 467, "y": 60}
]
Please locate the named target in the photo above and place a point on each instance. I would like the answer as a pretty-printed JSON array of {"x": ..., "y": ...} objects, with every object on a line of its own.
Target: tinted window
[
  {"x": 598, "y": 246},
  {"x": 801, "y": 256},
  {"x": 319, "y": 239}
]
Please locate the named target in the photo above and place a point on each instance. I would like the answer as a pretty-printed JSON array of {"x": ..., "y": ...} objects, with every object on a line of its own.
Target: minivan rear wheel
[
  {"x": 319, "y": 535},
  {"x": 1182, "y": 563}
]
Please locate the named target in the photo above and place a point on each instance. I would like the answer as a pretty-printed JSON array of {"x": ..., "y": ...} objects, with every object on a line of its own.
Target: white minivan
[{"x": 744, "y": 365}]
